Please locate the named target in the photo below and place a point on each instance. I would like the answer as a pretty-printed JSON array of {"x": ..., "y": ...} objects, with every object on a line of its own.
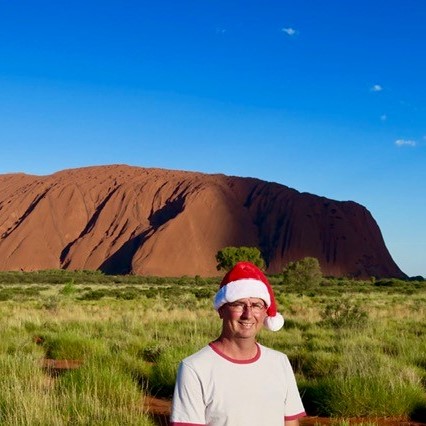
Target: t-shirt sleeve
[
  {"x": 293, "y": 404},
  {"x": 188, "y": 407}
]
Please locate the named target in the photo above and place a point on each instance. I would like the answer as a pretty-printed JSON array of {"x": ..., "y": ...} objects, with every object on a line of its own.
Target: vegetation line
[{"x": 358, "y": 347}]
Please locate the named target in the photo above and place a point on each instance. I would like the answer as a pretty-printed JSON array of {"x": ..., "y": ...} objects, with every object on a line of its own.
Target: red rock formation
[{"x": 123, "y": 219}]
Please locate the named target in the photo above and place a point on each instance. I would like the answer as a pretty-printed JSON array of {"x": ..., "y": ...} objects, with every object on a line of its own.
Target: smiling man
[{"x": 234, "y": 380}]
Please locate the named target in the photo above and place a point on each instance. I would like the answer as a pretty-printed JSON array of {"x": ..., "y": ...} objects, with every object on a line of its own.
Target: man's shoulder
[
  {"x": 204, "y": 354},
  {"x": 269, "y": 352}
]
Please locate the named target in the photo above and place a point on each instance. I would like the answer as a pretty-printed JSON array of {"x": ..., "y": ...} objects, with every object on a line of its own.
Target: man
[{"x": 234, "y": 380}]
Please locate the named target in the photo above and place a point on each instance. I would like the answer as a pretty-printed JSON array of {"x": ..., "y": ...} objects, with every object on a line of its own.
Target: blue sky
[{"x": 327, "y": 97}]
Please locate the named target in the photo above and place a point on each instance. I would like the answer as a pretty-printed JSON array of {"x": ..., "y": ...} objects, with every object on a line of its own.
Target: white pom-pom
[{"x": 274, "y": 323}]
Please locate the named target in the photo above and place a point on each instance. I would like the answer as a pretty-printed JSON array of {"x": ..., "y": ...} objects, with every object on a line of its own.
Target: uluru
[{"x": 122, "y": 219}]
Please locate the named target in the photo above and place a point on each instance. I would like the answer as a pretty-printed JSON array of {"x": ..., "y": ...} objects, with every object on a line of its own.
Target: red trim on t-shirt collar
[
  {"x": 296, "y": 416},
  {"x": 186, "y": 424},
  {"x": 236, "y": 361}
]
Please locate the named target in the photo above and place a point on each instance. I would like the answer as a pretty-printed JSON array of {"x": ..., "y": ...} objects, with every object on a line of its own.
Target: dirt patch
[
  {"x": 58, "y": 366},
  {"x": 158, "y": 409},
  {"x": 157, "y": 405}
]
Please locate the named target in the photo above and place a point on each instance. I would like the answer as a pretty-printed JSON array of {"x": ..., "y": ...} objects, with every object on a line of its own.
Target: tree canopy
[{"x": 228, "y": 256}]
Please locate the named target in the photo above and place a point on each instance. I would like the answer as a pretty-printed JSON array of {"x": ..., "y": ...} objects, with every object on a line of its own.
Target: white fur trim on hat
[
  {"x": 241, "y": 289},
  {"x": 274, "y": 323}
]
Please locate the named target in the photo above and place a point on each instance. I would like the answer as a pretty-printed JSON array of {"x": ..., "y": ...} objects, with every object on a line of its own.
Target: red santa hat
[{"x": 247, "y": 280}]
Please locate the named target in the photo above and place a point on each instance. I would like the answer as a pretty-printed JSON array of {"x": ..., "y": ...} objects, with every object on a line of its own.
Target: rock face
[{"x": 122, "y": 219}]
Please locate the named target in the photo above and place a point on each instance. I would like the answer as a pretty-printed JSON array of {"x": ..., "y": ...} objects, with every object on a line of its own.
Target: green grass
[{"x": 357, "y": 348}]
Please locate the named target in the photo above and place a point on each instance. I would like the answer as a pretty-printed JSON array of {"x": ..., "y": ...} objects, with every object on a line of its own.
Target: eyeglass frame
[{"x": 240, "y": 307}]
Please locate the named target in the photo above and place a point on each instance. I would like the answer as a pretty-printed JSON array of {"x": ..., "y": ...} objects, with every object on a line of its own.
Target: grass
[
  {"x": 97, "y": 393},
  {"x": 358, "y": 348}
]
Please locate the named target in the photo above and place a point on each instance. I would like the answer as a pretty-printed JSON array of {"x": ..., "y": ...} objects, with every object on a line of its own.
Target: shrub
[
  {"x": 344, "y": 313},
  {"x": 68, "y": 289},
  {"x": 229, "y": 256},
  {"x": 94, "y": 294},
  {"x": 151, "y": 353},
  {"x": 51, "y": 303},
  {"x": 6, "y": 294},
  {"x": 204, "y": 293},
  {"x": 303, "y": 274}
]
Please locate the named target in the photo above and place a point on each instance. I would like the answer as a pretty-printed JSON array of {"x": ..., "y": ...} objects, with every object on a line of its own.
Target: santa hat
[{"x": 247, "y": 280}]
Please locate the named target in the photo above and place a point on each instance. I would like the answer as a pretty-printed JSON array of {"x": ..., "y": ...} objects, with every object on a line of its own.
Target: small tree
[
  {"x": 305, "y": 273},
  {"x": 227, "y": 257}
]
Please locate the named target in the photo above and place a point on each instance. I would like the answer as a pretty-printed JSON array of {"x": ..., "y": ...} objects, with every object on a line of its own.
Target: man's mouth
[{"x": 246, "y": 324}]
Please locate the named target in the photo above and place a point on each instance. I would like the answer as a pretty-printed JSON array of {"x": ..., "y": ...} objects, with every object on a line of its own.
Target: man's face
[{"x": 243, "y": 318}]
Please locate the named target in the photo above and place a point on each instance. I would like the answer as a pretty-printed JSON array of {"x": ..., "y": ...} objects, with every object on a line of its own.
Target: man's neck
[{"x": 240, "y": 349}]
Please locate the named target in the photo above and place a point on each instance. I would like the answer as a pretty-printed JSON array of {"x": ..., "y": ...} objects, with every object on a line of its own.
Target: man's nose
[{"x": 247, "y": 311}]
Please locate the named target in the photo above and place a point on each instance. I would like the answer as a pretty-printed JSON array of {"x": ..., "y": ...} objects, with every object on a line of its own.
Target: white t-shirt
[{"x": 213, "y": 389}]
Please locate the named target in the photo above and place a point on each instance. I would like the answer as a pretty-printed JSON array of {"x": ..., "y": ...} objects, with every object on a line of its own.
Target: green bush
[
  {"x": 94, "y": 294},
  {"x": 227, "y": 257},
  {"x": 68, "y": 289},
  {"x": 344, "y": 313},
  {"x": 303, "y": 274}
]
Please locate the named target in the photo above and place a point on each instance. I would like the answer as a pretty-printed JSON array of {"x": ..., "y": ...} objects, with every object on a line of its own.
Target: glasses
[{"x": 239, "y": 307}]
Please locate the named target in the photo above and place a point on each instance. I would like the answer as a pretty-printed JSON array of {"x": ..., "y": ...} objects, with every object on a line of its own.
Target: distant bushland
[{"x": 358, "y": 348}]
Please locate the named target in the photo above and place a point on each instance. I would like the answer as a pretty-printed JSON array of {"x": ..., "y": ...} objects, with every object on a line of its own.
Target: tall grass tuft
[
  {"x": 83, "y": 393},
  {"x": 98, "y": 393},
  {"x": 367, "y": 384},
  {"x": 23, "y": 387}
]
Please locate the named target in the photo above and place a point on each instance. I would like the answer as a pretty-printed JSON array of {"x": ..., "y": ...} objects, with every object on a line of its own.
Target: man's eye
[{"x": 259, "y": 306}]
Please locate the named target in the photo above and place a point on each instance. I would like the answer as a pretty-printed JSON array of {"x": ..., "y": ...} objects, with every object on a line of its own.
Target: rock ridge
[{"x": 150, "y": 221}]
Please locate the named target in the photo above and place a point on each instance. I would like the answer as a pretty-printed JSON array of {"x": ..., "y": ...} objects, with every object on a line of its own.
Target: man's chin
[{"x": 246, "y": 333}]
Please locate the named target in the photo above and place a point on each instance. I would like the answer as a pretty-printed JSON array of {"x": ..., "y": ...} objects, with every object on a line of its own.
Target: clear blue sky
[{"x": 327, "y": 97}]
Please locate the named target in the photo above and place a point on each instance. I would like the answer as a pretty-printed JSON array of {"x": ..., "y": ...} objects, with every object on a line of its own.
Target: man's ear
[{"x": 220, "y": 312}]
